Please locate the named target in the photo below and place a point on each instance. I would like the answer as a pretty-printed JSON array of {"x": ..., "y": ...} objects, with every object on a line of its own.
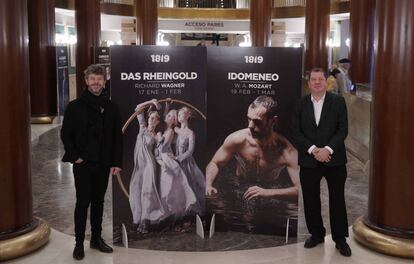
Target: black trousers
[
  {"x": 91, "y": 181},
  {"x": 310, "y": 179}
]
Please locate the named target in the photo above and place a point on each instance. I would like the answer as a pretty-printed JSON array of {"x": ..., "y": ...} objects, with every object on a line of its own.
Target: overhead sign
[{"x": 216, "y": 26}]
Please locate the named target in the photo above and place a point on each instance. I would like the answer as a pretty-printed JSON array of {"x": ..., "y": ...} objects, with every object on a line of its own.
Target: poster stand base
[
  {"x": 124, "y": 236},
  {"x": 199, "y": 227},
  {"x": 212, "y": 226},
  {"x": 287, "y": 230}
]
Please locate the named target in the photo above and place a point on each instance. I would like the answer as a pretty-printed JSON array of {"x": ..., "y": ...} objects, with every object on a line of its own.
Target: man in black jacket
[
  {"x": 92, "y": 136},
  {"x": 320, "y": 126}
]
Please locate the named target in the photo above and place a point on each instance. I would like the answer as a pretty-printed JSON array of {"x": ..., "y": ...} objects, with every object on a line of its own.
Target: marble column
[
  {"x": 147, "y": 22},
  {"x": 18, "y": 228},
  {"x": 260, "y": 23},
  {"x": 317, "y": 32},
  {"x": 362, "y": 39},
  {"x": 389, "y": 224},
  {"x": 43, "y": 91},
  {"x": 88, "y": 30}
]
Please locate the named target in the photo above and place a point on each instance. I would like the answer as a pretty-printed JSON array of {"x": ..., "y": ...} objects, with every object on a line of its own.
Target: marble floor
[
  {"x": 59, "y": 251},
  {"x": 54, "y": 199}
]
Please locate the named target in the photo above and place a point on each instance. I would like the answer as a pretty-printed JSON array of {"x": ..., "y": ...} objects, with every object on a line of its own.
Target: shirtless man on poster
[{"x": 260, "y": 152}]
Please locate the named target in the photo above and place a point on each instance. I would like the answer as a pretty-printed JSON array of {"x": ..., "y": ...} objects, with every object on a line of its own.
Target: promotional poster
[
  {"x": 252, "y": 176},
  {"x": 161, "y": 95},
  {"x": 62, "y": 78}
]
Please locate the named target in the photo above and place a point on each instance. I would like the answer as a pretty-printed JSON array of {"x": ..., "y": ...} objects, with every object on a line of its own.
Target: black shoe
[
  {"x": 344, "y": 249},
  {"x": 99, "y": 244},
  {"x": 78, "y": 252},
  {"x": 313, "y": 241}
]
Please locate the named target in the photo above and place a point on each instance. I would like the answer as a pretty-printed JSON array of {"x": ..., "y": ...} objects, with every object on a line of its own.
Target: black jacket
[
  {"x": 74, "y": 133},
  {"x": 331, "y": 131}
]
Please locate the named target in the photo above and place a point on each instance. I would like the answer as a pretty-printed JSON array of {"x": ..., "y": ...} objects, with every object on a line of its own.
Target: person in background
[
  {"x": 343, "y": 81},
  {"x": 202, "y": 43},
  {"x": 331, "y": 81}
]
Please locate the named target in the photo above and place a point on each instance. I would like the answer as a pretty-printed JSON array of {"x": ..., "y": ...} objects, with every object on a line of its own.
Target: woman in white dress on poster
[
  {"x": 175, "y": 190},
  {"x": 184, "y": 151},
  {"x": 144, "y": 198}
]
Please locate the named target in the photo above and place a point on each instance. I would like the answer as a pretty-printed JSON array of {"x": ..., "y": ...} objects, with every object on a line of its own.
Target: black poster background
[
  {"x": 227, "y": 106},
  {"x": 102, "y": 57},
  {"x": 128, "y": 93},
  {"x": 62, "y": 78}
]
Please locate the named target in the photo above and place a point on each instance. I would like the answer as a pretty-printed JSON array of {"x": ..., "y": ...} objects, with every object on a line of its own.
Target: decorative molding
[
  {"x": 386, "y": 244},
  {"x": 42, "y": 120},
  {"x": 24, "y": 244}
]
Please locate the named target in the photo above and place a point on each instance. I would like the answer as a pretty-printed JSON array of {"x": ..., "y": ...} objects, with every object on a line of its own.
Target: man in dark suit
[
  {"x": 320, "y": 126},
  {"x": 92, "y": 136}
]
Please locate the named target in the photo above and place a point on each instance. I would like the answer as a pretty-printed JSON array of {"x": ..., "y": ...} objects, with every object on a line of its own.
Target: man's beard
[{"x": 95, "y": 89}]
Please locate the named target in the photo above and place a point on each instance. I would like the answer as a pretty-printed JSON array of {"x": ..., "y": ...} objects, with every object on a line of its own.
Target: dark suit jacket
[
  {"x": 74, "y": 133},
  {"x": 331, "y": 131}
]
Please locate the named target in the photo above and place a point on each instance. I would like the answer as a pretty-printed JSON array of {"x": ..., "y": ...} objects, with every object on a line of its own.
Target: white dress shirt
[{"x": 317, "y": 110}]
